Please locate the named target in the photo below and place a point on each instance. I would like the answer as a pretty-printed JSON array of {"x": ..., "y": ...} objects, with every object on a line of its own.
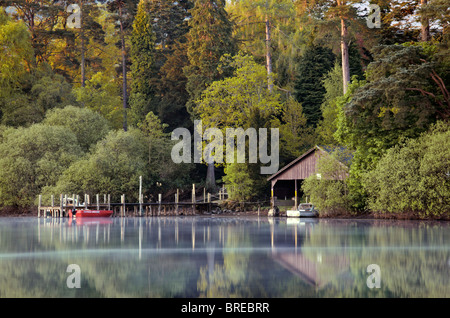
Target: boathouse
[{"x": 286, "y": 183}]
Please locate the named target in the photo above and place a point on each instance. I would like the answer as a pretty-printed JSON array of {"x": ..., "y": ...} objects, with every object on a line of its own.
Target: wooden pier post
[
  {"x": 122, "y": 200},
  {"x": 209, "y": 202},
  {"x": 85, "y": 201},
  {"x": 176, "y": 203},
  {"x": 98, "y": 201},
  {"x": 109, "y": 202},
  {"x": 61, "y": 203},
  {"x": 39, "y": 205},
  {"x": 53, "y": 201},
  {"x": 140, "y": 196},
  {"x": 159, "y": 203},
  {"x": 193, "y": 198},
  {"x": 295, "y": 197}
]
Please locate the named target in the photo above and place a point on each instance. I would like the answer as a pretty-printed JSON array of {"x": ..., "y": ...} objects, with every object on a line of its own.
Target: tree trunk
[
  {"x": 268, "y": 55},
  {"x": 124, "y": 72},
  {"x": 210, "y": 178},
  {"x": 345, "y": 58},
  {"x": 83, "y": 48},
  {"x": 425, "y": 28}
]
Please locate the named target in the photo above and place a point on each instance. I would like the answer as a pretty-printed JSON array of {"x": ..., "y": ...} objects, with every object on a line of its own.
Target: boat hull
[
  {"x": 301, "y": 214},
  {"x": 92, "y": 213}
]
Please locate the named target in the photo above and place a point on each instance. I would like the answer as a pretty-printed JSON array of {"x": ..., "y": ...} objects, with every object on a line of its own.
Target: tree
[
  {"x": 88, "y": 127},
  {"x": 239, "y": 101},
  {"x": 349, "y": 18},
  {"x": 170, "y": 25},
  {"x": 402, "y": 97},
  {"x": 32, "y": 158},
  {"x": 102, "y": 95},
  {"x": 16, "y": 54},
  {"x": 309, "y": 90},
  {"x": 209, "y": 37},
  {"x": 269, "y": 31},
  {"x": 108, "y": 168},
  {"x": 123, "y": 14},
  {"x": 413, "y": 177},
  {"x": 142, "y": 58},
  {"x": 326, "y": 128}
]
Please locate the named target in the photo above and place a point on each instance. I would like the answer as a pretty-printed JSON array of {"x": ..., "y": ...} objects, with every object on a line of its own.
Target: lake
[{"x": 250, "y": 257}]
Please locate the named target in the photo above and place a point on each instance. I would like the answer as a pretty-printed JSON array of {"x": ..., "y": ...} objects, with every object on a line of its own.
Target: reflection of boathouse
[{"x": 315, "y": 266}]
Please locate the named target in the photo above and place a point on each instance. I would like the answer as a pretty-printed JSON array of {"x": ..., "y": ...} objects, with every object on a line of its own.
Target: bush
[
  {"x": 32, "y": 158},
  {"x": 88, "y": 126},
  {"x": 414, "y": 176}
]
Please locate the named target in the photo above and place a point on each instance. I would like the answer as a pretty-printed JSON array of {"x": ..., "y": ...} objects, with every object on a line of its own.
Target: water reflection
[{"x": 223, "y": 257}]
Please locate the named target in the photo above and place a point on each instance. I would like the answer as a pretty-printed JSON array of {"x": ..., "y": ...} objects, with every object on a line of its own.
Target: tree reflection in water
[{"x": 223, "y": 257}]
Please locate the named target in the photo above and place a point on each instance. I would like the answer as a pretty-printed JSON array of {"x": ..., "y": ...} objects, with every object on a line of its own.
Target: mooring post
[
  {"x": 159, "y": 203},
  {"x": 209, "y": 202},
  {"x": 178, "y": 199},
  {"x": 140, "y": 196},
  {"x": 193, "y": 198},
  {"x": 61, "y": 203},
  {"x": 122, "y": 199},
  {"x": 39, "y": 205},
  {"x": 98, "y": 201},
  {"x": 53, "y": 201},
  {"x": 176, "y": 204},
  {"x": 204, "y": 195},
  {"x": 85, "y": 201},
  {"x": 109, "y": 202}
]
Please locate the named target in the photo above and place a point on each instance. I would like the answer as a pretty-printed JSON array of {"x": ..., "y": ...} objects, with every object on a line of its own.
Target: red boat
[{"x": 92, "y": 213}]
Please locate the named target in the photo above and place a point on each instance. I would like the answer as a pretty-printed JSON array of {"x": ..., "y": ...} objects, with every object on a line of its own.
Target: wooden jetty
[{"x": 67, "y": 203}]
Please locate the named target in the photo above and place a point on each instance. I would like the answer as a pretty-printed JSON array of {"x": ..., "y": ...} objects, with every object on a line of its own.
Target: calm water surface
[{"x": 223, "y": 257}]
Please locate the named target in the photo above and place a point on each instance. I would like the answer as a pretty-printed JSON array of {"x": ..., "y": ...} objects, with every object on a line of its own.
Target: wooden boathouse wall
[{"x": 290, "y": 176}]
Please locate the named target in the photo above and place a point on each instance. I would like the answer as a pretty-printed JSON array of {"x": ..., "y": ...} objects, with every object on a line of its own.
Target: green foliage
[
  {"x": 239, "y": 181},
  {"x": 32, "y": 158},
  {"x": 108, "y": 168},
  {"x": 40, "y": 91},
  {"x": 326, "y": 128},
  {"x": 295, "y": 136},
  {"x": 413, "y": 176},
  {"x": 392, "y": 104},
  {"x": 240, "y": 101},
  {"x": 309, "y": 90},
  {"x": 88, "y": 126},
  {"x": 101, "y": 95},
  {"x": 209, "y": 37},
  {"x": 142, "y": 58},
  {"x": 327, "y": 188},
  {"x": 233, "y": 101},
  {"x": 15, "y": 53}
]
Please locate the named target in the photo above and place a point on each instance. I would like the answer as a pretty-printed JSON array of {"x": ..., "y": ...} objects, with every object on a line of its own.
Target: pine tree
[
  {"x": 142, "y": 58},
  {"x": 209, "y": 38},
  {"x": 309, "y": 89}
]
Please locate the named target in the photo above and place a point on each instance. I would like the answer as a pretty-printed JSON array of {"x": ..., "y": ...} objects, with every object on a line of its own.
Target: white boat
[{"x": 306, "y": 210}]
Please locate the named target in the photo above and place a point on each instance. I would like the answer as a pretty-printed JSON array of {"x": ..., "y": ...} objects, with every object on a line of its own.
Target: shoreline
[{"x": 11, "y": 213}]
